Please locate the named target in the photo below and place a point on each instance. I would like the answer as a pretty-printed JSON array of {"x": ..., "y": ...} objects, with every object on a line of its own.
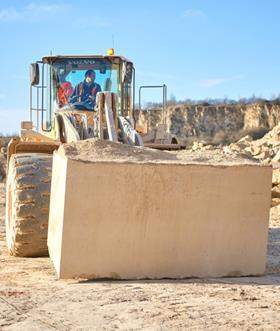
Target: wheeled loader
[
  {"x": 119, "y": 211},
  {"x": 56, "y": 118}
]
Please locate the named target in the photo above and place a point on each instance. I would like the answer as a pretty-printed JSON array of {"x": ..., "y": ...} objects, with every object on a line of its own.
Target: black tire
[{"x": 27, "y": 204}]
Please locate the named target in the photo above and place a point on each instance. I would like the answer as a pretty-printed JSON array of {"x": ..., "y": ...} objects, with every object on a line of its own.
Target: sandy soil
[
  {"x": 31, "y": 298},
  {"x": 94, "y": 150}
]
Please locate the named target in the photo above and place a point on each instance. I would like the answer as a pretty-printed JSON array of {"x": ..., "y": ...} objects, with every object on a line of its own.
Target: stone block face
[{"x": 127, "y": 220}]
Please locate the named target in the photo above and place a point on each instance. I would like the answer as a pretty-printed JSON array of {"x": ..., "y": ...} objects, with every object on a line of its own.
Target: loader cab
[{"x": 56, "y": 79}]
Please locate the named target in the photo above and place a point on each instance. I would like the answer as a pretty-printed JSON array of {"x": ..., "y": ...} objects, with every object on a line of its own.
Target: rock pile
[
  {"x": 275, "y": 192},
  {"x": 3, "y": 155},
  {"x": 2, "y": 168},
  {"x": 3, "y": 161},
  {"x": 267, "y": 151}
]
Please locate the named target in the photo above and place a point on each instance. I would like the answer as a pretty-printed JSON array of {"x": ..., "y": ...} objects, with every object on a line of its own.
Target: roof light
[{"x": 111, "y": 51}]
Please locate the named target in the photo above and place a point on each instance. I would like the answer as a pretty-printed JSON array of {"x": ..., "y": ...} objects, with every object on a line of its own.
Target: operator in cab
[{"x": 85, "y": 92}]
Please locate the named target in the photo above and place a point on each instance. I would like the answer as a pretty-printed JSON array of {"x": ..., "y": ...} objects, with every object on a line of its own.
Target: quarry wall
[{"x": 215, "y": 124}]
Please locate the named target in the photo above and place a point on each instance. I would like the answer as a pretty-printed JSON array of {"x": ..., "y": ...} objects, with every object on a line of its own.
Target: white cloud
[
  {"x": 40, "y": 11},
  {"x": 37, "y": 10},
  {"x": 9, "y": 14},
  {"x": 208, "y": 83},
  {"x": 31, "y": 11},
  {"x": 193, "y": 13},
  {"x": 212, "y": 82}
]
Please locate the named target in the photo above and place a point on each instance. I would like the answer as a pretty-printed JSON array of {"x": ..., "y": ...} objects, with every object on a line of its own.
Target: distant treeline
[{"x": 216, "y": 101}]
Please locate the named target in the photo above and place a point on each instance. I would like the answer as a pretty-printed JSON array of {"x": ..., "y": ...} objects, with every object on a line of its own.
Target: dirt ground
[{"x": 31, "y": 298}]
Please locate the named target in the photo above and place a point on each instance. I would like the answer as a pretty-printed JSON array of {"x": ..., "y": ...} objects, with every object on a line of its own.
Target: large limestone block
[{"x": 130, "y": 218}]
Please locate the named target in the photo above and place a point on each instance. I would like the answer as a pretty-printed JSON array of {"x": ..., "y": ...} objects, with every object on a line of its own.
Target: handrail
[{"x": 164, "y": 98}]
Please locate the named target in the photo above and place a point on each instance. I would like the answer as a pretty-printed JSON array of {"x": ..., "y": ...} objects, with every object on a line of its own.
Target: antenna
[
  {"x": 50, "y": 52},
  {"x": 113, "y": 41}
]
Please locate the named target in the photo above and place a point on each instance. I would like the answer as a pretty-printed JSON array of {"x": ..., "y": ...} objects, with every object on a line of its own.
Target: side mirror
[
  {"x": 34, "y": 74},
  {"x": 127, "y": 72}
]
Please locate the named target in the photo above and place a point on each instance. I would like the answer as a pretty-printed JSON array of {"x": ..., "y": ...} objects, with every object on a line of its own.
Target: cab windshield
[{"x": 79, "y": 80}]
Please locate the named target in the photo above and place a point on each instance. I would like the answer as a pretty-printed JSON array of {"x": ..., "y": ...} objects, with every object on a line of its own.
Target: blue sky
[{"x": 200, "y": 49}]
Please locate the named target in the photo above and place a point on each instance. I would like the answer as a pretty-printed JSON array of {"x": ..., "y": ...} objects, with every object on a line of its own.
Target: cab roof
[{"x": 54, "y": 58}]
